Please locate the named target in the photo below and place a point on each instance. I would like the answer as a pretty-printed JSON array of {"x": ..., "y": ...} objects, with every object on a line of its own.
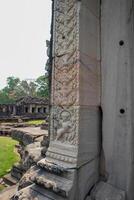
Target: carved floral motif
[
  {"x": 65, "y": 63},
  {"x": 65, "y": 76}
]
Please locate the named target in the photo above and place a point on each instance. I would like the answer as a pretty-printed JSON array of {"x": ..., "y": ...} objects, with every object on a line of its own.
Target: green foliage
[
  {"x": 8, "y": 157},
  {"x": 26, "y": 89},
  {"x": 4, "y": 98},
  {"x": 12, "y": 82},
  {"x": 42, "y": 86},
  {"x": 16, "y": 89},
  {"x": 7, "y": 94}
]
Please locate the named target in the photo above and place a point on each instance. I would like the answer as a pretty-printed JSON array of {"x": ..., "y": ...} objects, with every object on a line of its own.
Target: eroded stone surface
[
  {"x": 79, "y": 144},
  {"x": 34, "y": 192},
  {"x": 28, "y": 135},
  {"x": 105, "y": 191}
]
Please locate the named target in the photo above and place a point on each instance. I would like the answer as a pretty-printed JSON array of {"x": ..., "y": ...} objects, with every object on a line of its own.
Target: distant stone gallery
[{"x": 26, "y": 107}]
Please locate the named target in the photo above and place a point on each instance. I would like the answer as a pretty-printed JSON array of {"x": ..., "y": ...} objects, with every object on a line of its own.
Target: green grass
[
  {"x": 35, "y": 122},
  {"x": 8, "y": 155}
]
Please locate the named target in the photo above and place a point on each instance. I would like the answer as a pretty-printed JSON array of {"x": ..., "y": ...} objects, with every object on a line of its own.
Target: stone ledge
[
  {"x": 51, "y": 167},
  {"x": 59, "y": 185},
  {"x": 35, "y": 192},
  {"x": 28, "y": 135}
]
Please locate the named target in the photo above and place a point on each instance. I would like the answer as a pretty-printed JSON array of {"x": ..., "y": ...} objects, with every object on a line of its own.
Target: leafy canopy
[{"x": 15, "y": 88}]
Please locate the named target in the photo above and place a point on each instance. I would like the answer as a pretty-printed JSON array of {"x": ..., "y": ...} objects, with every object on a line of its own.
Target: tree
[
  {"x": 26, "y": 89},
  {"x": 16, "y": 89},
  {"x": 42, "y": 86},
  {"x": 12, "y": 82},
  {"x": 4, "y": 98},
  {"x": 7, "y": 94}
]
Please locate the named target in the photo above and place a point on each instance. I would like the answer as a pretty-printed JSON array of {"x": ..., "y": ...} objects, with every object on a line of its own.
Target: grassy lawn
[
  {"x": 35, "y": 122},
  {"x": 8, "y": 155}
]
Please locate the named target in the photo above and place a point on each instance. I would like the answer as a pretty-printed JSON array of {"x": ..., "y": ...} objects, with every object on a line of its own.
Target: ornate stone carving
[
  {"x": 65, "y": 26},
  {"x": 62, "y": 158},
  {"x": 65, "y": 79},
  {"x": 48, "y": 65},
  {"x": 64, "y": 125},
  {"x": 65, "y": 63},
  {"x": 51, "y": 167},
  {"x": 44, "y": 182},
  {"x": 66, "y": 86}
]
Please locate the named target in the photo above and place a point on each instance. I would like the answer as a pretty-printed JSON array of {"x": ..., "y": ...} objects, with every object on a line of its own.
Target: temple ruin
[
  {"x": 91, "y": 150},
  {"x": 26, "y": 107}
]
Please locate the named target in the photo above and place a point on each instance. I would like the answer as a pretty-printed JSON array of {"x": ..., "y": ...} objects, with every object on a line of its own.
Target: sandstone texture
[
  {"x": 91, "y": 140},
  {"x": 28, "y": 135}
]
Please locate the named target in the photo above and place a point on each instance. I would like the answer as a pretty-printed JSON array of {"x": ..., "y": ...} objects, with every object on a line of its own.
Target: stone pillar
[
  {"x": 75, "y": 99},
  {"x": 42, "y": 109},
  {"x": 30, "y": 108},
  {"x": 14, "y": 109},
  {"x": 118, "y": 97},
  {"x": 36, "y": 109}
]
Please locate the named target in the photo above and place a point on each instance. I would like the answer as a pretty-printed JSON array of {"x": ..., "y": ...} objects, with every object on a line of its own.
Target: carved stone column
[
  {"x": 30, "y": 108},
  {"x": 73, "y": 154},
  {"x": 14, "y": 109}
]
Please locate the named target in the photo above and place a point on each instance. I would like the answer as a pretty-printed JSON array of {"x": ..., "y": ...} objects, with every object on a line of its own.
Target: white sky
[{"x": 24, "y": 29}]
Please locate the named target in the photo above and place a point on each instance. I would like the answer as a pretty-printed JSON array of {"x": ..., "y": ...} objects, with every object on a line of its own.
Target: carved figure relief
[{"x": 64, "y": 125}]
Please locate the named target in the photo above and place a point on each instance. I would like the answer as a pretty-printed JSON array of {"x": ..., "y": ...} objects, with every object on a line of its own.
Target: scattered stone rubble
[
  {"x": 33, "y": 145},
  {"x": 28, "y": 135},
  {"x": 30, "y": 149}
]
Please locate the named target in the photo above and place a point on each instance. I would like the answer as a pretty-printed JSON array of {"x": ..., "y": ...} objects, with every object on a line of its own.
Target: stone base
[
  {"x": 105, "y": 191},
  {"x": 35, "y": 192}
]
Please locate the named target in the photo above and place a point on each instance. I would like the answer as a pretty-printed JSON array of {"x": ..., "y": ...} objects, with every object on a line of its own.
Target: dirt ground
[{"x": 8, "y": 193}]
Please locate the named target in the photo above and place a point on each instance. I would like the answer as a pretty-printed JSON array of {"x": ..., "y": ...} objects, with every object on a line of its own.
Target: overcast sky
[{"x": 24, "y": 28}]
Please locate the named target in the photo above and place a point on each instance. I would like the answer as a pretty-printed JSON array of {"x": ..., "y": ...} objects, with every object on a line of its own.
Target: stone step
[
  {"x": 9, "y": 180},
  {"x": 17, "y": 172},
  {"x": 52, "y": 182},
  {"x": 35, "y": 192}
]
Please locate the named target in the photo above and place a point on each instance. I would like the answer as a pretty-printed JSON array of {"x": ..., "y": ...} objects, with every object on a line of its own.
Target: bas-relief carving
[
  {"x": 65, "y": 79},
  {"x": 64, "y": 125},
  {"x": 65, "y": 26},
  {"x": 63, "y": 158},
  {"x": 66, "y": 87},
  {"x": 65, "y": 62}
]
